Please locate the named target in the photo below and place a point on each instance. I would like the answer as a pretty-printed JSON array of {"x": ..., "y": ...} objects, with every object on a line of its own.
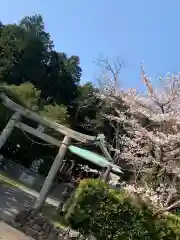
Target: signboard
[{"x": 26, "y": 178}]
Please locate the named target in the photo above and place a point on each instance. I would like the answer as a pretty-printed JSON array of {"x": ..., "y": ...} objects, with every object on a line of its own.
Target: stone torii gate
[{"x": 16, "y": 121}]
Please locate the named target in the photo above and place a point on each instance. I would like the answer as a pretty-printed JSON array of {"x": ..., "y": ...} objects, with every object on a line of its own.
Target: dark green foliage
[
  {"x": 28, "y": 96},
  {"x": 85, "y": 110},
  {"x": 35, "y": 76},
  {"x": 98, "y": 210},
  {"x": 27, "y": 55},
  {"x": 173, "y": 222}
]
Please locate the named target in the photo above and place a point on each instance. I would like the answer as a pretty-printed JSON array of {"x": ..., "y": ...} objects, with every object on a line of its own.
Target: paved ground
[
  {"x": 9, "y": 233},
  {"x": 35, "y": 194},
  {"x": 13, "y": 199}
]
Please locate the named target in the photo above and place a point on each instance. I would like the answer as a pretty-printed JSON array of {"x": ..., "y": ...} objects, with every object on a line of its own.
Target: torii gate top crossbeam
[
  {"x": 46, "y": 122},
  {"x": 99, "y": 140}
]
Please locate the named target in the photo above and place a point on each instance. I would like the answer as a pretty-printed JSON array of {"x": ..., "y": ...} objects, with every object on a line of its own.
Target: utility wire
[
  {"x": 50, "y": 144},
  {"x": 33, "y": 141}
]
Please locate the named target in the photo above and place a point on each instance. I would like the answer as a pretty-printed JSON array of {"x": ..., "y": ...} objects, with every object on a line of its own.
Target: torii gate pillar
[
  {"x": 52, "y": 173},
  {"x": 9, "y": 128}
]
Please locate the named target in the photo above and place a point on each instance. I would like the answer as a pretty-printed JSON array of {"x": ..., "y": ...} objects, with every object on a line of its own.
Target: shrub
[
  {"x": 107, "y": 214},
  {"x": 173, "y": 222}
]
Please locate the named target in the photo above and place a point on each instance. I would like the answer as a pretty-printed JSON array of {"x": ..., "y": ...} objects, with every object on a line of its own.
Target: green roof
[{"x": 93, "y": 158}]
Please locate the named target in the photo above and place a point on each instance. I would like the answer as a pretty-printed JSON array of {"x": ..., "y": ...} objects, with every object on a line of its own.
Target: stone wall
[{"x": 15, "y": 170}]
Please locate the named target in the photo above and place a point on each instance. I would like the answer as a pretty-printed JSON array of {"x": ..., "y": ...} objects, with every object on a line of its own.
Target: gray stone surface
[
  {"x": 12, "y": 200},
  {"x": 9, "y": 233}
]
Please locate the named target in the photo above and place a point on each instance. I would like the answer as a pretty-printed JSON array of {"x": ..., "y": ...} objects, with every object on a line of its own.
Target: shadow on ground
[{"x": 12, "y": 200}]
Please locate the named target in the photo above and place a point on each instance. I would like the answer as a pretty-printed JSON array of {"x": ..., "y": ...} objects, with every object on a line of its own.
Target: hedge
[{"x": 110, "y": 215}]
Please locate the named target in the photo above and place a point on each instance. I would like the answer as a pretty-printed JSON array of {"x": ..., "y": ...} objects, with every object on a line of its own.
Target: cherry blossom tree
[{"x": 147, "y": 135}]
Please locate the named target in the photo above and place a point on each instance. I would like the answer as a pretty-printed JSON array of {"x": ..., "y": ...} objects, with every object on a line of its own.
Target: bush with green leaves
[
  {"x": 110, "y": 215},
  {"x": 173, "y": 222}
]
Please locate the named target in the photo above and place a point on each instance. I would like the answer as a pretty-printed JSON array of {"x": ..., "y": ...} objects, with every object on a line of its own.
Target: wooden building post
[
  {"x": 9, "y": 128},
  {"x": 52, "y": 173}
]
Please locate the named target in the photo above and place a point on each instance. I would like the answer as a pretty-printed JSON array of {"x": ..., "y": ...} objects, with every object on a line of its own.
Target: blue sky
[{"x": 135, "y": 30}]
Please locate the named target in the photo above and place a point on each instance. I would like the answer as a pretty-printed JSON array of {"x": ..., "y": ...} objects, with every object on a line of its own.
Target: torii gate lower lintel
[{"x": 69, "y": 134}]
